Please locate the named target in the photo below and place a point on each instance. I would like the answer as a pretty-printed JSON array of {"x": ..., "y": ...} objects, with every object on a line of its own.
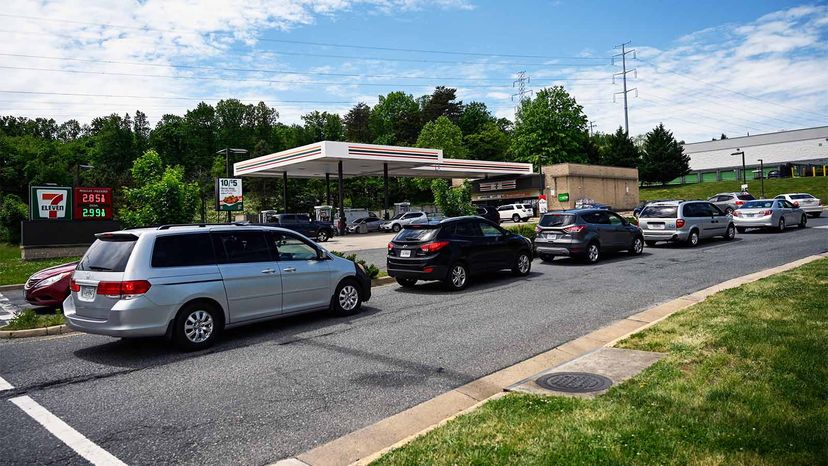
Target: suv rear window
[
  {"x": 745, "y": 197},
  {"x": 108, "y": 254},
  {"x": 415, "y": 234},
  {"x": 183, "y": 250},
  {"x": 659, "y": 211},
  {"x": 556, "y": 220}
]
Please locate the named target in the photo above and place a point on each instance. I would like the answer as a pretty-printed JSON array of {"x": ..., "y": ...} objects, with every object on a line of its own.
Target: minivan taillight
[
  {"x": 429, "y": 248},
  {"x": 123, "y": 289},
  {"x": 680, "y": 223},
  {"x": 574, "y": 229},
  {"x": 73, "y": 285}
]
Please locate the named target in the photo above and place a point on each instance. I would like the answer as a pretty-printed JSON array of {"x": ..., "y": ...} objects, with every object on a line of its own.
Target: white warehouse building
[{"x": 712, "y": 160}]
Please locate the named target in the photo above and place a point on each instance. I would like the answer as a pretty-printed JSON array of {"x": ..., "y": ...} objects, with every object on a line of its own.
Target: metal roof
[
  {"x": 321, "y": 158},
  {"x": 818, "y": 132}
]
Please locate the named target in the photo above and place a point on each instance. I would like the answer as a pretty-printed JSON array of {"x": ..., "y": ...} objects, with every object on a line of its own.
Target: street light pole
[
  {"x": 762, "y": 176},
  {"x": 742, "y": 153}
]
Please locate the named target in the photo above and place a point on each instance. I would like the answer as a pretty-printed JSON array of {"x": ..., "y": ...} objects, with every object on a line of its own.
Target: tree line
[{"x": 549, "y": 128}]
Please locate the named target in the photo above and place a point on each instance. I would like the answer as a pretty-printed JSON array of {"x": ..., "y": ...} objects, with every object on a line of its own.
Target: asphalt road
[{"x": 278, "y": 389}]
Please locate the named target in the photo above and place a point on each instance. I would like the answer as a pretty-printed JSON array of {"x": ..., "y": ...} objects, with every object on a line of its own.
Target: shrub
[
  {"x": 30, "y": 319},
  {"x": 370, "y": 269},
  {"x": 632, "y": 220},
  {"x": 12, "y": 212},
  {"x": 524, "y": 230}
]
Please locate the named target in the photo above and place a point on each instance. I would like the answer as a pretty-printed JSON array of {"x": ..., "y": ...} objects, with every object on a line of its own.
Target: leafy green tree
[
  {"x": 452, "y": 202},
  {"x": 12, "y": 211},
  {"x": 113, "y": 150},
  {"x": 443, "y": 134},
  {"x": 162, "y": 196},
  {"x": 357, "y": 124},
  {"x": 550, "y": 128},
  {"x": 474, "y": 118},
  {"x": 489, "y": 143},
  {"x": 441, "y": 102},
  {"x": 323, "y": 126},
  {"x": 395, "y": 119},
  {"x": 169, "y": 139},
  {"x": 620, "y": 151},
  {"x": 664, "y": 159}
]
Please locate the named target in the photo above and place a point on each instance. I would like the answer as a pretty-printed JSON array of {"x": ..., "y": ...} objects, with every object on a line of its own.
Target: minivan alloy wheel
[
  {"x": 693, "y": 239},
  {"x": 348, "y": 297},
  {"x": 199, "y": 326}
]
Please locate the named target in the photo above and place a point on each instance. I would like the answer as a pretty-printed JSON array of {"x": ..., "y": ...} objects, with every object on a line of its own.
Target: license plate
[
  {"x": 87, "y": 293},
  {"x": 656, "y": 226},
  {"x": 551, "y": 236},
  {"x": 405, "y": 253}
]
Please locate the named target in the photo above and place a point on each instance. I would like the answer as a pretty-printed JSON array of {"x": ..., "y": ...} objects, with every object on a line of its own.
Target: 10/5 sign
[{"x": 50, "y": 203}]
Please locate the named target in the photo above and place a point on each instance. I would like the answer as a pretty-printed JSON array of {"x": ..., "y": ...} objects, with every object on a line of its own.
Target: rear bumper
[
  {"x": 559, "y": 248},
  {"x": 665, "y": 235},
  {"x": 137, "y": 318},
  {"x": 759, "y": 222},
  {"x": 812, "y": 209}
]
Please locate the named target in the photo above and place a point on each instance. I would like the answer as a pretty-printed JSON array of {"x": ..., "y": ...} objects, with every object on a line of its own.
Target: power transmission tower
[
  {"x": 520, "y": 83},
  {"x": 623, "y": 74},
  {"x": 592, "y": 126}
]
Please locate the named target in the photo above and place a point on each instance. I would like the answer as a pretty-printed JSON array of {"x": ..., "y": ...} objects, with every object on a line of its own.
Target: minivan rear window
[
  {"x": 183, "y": 250},
  {"x": 108, "y": 254},
  {"x": 659, "y": 211},
  {"x": 556, "y": 220}
]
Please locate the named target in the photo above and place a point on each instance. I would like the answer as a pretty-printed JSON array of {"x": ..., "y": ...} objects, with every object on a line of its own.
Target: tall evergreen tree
[
  {"x": 664, "y": 159},
  {"x": 620, "y": 151},
  {"x": 442, "y": 102},
  {"x": 356, "y": 122}
]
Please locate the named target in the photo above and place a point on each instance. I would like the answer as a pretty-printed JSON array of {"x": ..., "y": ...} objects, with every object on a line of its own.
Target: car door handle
[
  {"x": 289, "y": 269},
  {"x": 268, "y": 271}
]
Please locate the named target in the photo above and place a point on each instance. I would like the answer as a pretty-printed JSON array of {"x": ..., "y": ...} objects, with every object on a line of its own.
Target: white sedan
[{"x": 807, "y": 202}]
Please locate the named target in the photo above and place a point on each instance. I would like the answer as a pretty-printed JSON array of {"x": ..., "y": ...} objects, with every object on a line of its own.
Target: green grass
[
  {"x": 818, "y": 186},
  {"x": 14, "y": 271},
  {"x": 30, "y": 319},
  {"x": 745, "y": 381}
]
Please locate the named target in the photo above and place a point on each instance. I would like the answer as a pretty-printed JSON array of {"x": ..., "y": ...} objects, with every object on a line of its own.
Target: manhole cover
[{"x": 574, "y": 382}]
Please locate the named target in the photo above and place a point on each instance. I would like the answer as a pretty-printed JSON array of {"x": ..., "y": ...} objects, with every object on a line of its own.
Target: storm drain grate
[{"x": 574, "y": 382}]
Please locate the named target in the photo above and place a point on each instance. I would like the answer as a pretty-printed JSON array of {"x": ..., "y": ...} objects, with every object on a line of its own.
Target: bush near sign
[{"x": 229, "y": 194}]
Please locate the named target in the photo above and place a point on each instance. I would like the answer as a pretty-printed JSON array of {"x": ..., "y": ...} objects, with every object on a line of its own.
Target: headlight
[{"x": 51, "y": 280}]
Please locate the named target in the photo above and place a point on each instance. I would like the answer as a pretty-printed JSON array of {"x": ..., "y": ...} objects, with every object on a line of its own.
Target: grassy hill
[{"x": 818, "y": 186}]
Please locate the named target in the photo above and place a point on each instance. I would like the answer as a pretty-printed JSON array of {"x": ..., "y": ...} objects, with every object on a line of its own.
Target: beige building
[{"x": 568, "y": 185}]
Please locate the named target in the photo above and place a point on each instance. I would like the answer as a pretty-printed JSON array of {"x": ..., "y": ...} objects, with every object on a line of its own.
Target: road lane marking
[
  {"x": 7, "y": 309},
  {"x": 5, "y": 385},
  {"x": 823, "y": 227},
  {"x": 66, "y": 434}
]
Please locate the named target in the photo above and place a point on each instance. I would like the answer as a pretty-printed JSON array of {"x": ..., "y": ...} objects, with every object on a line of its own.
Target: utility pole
[
  {"x": 762, "y": 175},
  {"x": 623, "y": 74},
  {"x": 520, "y": 83}
]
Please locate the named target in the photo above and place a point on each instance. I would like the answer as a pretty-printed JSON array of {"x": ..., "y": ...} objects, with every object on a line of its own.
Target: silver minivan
[
  {"x": 188, "y": 283},
  {"x": 684, "y": 221}
]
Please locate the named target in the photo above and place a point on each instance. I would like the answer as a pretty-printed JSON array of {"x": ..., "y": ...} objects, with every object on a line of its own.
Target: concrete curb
[
  {"x": 11, "y": 287},
  {"x": 35, "y": 332},
  {"x": 369, "y": 443},
  {"x": 382, "y": 281}
]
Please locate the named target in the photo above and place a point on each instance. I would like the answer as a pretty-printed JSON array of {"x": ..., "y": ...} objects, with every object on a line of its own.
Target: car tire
[
  {"x": 458, "y": 277},
  {"x": 693, "y": 239},
  {"x": 593, "y": 253},
  {"x": 322, "y": 236},
  {"x": 803, "y": 222},
  {"x": 347, "y": 299},
  {"x": 197, "y": 326},
  {"x": 396, "y": 228},
  {"x": 407, "y": 282},
  {"x": 780, "y": 227},
  {"x": 637, "y": 247},
  {"x": 741, "y": 229},
  {"x": 516, "y": 218},
  {"x": 650, "y": 243},
  {"x": 523, "y": 264},
  {"x": 546, "y": 257},
  {"x": 730, "y": 233}
]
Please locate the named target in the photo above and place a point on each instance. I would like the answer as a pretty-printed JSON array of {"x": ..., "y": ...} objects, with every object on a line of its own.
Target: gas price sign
[{"x": 93, "y": 203}]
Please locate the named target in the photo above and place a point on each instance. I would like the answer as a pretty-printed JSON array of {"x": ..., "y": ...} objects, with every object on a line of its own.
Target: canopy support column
[
  {"x": 385, "y": 191},
  {"x": 341, "y": 200},
  {"x": 285, "y": 190},
  {"x": 328, "y": 188}
]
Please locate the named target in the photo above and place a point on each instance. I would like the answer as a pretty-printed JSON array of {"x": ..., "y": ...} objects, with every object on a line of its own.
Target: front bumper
[{"x": 136, "y": 317}]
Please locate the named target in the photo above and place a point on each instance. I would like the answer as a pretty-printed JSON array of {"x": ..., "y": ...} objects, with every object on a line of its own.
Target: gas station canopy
[{"x": 321, "y": 159}]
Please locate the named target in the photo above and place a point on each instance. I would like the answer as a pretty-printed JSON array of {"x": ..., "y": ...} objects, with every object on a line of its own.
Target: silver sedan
[{"x": 777, "y": 214}]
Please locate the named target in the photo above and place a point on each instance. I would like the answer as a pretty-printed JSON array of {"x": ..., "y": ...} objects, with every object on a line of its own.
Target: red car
[{"x": 49, "y": 287}]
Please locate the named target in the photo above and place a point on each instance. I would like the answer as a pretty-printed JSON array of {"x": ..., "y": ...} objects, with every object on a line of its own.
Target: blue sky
[{"x": 703, "y": 67}]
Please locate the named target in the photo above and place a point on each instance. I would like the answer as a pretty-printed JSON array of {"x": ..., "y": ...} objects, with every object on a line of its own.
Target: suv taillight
[
  {"x": 739, "y": 203},
  {"x": 680, "y": 223},
  {"x": 574, "y": 229},
  {"x": 123, "y": 289},
  {"x": 429, "y": 248},
  {"x": 390, "y": 246},
  {"x": 73, "y": 285}
]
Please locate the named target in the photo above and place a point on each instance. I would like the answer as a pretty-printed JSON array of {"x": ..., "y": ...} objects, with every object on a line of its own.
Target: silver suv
[
  {"x": 684, "y": 221},
  {"x": 191, "y": 282}
]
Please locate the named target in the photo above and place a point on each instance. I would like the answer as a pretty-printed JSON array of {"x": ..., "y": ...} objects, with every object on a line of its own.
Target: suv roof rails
[{"x": 171, "y": 225}]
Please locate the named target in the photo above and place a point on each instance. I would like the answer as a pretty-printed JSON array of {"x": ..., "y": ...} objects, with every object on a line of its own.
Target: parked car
[
  {"x": 807, "y": 202},
  {"x": 49, "y": 287},
  {"x": 586, "y": 234},
  {"x": 192, "y": 282},
  {"x": 729, "y": 202},
  {"x": 774, "y": 174},
  {"x": 489, "y": 213},
  {"x": 365, "y": 225},
  {"x": 455, "y": 249},
  {"x": 642, "y": 204},
  {"x": 302, "y": 223},
  {"x": 768, "y": 213},
  {"x": 515, "y": 212},
  {"x": 400, "y": 220},
  {"x": 684, "y": 221},
  {"x": 434, "y": 217}
]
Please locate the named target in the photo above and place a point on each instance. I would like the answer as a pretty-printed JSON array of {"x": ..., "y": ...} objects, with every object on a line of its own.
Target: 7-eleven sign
[{"x": 50, "y": 203}]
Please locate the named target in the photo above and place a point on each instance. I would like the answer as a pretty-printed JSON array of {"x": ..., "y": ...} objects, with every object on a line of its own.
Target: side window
[
  {"x": 467, "y": 230},
  {"x": 779, "y": 197},
  {"x": 240, "y": 247},
  {"x": 614, "y": 219},
  {"x": 597, "y": 218},
  {"x": 787, "y": 204},
  {"x": 503, "y": 208},
  {"x": 489, "y": 230},
  {"x": 183, "y": 250},
  {"x": 714, "y": 210},
  {"x": 303, "y": 218},
  {"x": 290, "y": 248},
  {"x": 726, "y": 198}
]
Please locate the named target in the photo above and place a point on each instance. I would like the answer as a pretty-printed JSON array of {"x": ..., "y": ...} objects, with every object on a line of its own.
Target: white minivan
[{"x": 515, "y": 212}]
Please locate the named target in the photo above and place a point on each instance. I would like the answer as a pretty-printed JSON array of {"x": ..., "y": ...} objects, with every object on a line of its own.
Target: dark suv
[
  {"x": 454, "y": 249},
  {"x": 585, "y": 233}
]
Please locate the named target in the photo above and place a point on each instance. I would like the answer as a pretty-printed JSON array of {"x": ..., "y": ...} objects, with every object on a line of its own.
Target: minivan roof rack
[{"x": 171, "y": 225}]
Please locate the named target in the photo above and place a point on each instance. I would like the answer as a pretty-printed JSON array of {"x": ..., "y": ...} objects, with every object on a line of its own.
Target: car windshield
[
  {"x": 745, "y": 197},
  {"x": 659, "y": 211},
  {"x": 757, "y": 205},
  {"x": 108, "y": 254},
  {"x": 556, "y": 220},
  {"x": 801, "y": 196},
  {"x": 415, "y": 234}
]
